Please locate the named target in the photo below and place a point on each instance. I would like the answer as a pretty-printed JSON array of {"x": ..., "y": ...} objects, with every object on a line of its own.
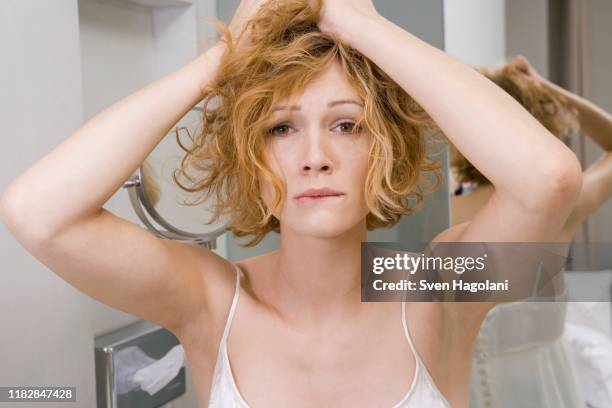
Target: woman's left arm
[
  {"x": 595, "y": 122},
  {"x": 536, "y": 177}
]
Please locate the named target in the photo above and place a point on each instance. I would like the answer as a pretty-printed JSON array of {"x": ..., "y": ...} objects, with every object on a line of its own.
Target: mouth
[
  {"x": 318, "y": 198},
  {"x": 318, "y": 195}
]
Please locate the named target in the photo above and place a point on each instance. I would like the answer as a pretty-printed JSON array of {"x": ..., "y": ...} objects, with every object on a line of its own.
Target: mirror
[
  {"x": 540, "y": 353},
  {"x": 566, "y": 42},
  {"x": 163, "y": 206}
]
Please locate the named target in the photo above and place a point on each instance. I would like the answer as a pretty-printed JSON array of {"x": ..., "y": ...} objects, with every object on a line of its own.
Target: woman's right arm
[
  {"x": 55, "y": 211},
  {"x": 76, "y": 178}
]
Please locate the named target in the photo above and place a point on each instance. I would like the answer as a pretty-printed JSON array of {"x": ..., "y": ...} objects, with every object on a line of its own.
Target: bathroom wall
[
  {"x": 63, "y": 62},
  {"x": 527, "y": 31},
  {"x": 474, "y": 31},
  {"x": 147, "y": 43},
  {"x": 47, "y": 333},
  {"x": 484, "y": 33}
]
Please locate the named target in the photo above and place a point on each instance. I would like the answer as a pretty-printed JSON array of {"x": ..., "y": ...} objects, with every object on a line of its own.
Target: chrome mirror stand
[{"x": 142, "y": 206}]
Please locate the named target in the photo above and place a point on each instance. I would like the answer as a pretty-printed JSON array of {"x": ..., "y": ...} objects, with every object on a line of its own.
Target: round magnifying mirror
[{"x": 160, "y": 203}]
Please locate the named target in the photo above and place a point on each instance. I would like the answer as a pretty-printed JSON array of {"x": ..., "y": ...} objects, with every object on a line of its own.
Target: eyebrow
[{"x": 331, "y": 105}]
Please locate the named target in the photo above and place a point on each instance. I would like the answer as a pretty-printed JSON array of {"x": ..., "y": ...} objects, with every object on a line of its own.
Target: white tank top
[{"x": 224, "y": 392}]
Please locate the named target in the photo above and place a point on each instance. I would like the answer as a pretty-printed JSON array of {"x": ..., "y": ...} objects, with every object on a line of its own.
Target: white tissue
[
  {"x": 134, "y": 368},
  {"x": 155, "y": 376},
  {"x": 127, "y": 362}
]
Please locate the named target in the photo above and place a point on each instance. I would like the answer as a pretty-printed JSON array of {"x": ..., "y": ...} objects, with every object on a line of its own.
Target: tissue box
[{"x": 113, "y": 373}]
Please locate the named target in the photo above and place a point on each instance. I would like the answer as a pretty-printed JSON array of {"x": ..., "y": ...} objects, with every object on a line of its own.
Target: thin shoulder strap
[
  {"x": 420, "y": 365},
  {"x": 230, "y": 315},
  {"x": 407, "y": 333}
]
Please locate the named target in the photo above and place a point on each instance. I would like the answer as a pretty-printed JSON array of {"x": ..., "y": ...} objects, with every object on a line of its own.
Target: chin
[{"x": 328, "y": 226}]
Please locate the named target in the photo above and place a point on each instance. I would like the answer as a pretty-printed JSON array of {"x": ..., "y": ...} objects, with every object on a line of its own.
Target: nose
[{"x": 317, "y": 154}]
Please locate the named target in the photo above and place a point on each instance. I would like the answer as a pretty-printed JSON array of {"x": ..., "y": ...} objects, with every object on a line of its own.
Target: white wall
[
  {"x": 474, "y": 31},
  {"x": 147, "y": 43},
  {"x": 47, "y": 336},
  {"x": 63, "y": 61}
]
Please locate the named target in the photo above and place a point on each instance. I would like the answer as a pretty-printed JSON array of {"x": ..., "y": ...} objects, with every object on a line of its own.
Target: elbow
[
  {"x": 563, "y": 180},
  {"x": 17, "y": 221},
  {"x": 10, "y": 202},
  {"x": 7, "y": 208}
]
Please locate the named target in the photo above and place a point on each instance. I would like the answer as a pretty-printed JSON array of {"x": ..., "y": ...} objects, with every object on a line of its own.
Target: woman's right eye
[{"x": 273, "y": 131}]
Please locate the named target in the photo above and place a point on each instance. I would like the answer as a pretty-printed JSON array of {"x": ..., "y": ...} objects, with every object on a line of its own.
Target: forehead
[{"x": 331, "y": 83}]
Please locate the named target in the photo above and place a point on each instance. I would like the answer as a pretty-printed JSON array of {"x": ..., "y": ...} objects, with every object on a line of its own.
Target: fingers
[
  {"x": 521, "y": 64},
  {"x": 522, "y": 59}
]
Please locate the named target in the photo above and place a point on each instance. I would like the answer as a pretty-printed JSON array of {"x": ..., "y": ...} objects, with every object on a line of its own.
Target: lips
[{"x": 318, "y": 193}]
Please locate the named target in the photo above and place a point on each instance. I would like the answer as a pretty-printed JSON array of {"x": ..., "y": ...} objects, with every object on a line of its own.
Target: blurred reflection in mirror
[
  {"x": 172, "y": 210},
  {"x": 524, "y": 354}
]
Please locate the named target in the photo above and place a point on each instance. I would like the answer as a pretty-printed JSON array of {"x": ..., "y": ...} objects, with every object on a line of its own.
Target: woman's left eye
[{"x": 351, "y": 124}]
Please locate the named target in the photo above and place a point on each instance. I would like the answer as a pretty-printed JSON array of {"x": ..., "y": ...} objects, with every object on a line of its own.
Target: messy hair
[
  {"x": 285, "y": 52},
  {"x": 549, "y": 108}
]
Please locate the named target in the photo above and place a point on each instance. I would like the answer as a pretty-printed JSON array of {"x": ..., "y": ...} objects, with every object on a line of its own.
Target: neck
[{"x": 316, "y": 280}]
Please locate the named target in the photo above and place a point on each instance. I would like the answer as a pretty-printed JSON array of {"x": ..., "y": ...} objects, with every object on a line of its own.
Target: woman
[
  {"x": 286, "y": 90},
  {"x": 520, "y": 359}
]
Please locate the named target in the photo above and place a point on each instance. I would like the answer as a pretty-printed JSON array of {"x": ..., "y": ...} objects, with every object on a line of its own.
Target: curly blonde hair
[
  {"x": 285, "y": 52},
  {"x": 549, "y": 108}
]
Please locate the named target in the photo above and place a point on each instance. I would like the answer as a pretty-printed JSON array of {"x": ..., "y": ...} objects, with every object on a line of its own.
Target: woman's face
[{"x": 310, "y": 147}]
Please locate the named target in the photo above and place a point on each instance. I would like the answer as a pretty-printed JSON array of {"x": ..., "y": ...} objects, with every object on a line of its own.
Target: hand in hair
[
  {"x": 244, "y": 13},
  {"x": 336, "y": 14},
  {"x": 525, "y": 66}
]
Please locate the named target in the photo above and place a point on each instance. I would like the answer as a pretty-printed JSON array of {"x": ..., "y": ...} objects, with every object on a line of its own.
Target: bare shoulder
[
  {"x": 444, "y": 346},
  {"x": 219, "y": 293},
  {"x": 215, "y": 276},
  {"x": 444, "y": 335}
]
